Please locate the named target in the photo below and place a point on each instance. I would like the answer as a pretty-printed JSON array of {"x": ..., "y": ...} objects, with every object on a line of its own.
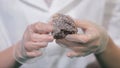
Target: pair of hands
[{"x": 37, "y": 36}]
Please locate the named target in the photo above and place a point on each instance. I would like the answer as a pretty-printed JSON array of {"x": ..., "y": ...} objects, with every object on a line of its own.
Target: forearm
[
  {"x": 7, "y": 59},
  {"x": 110, "y": 58}
]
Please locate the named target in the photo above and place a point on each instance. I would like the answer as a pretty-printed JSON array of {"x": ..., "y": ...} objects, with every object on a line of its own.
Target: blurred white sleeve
[
  {"x": 114, "y": 24},
  {"x": 4, "y": 39}
]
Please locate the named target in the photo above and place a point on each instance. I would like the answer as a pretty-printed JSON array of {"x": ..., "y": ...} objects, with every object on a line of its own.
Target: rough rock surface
[{"x": 63, "y": 25}]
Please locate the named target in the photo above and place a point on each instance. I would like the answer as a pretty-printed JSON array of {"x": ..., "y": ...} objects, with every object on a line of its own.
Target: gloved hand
[
  {"x": 93, "y": 40},
  {"x": 35, "y": 38}
]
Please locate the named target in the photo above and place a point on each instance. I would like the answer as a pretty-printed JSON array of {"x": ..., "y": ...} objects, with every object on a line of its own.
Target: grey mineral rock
[{"x": 63, "y": 25}]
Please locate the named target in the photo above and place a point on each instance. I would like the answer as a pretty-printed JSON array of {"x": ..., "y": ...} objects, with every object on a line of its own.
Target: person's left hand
[{"x": 93, "y": 40}]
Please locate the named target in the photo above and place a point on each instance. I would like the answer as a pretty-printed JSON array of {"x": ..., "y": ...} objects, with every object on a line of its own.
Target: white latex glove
[
  {"x": 34, "y": 39},
  {"x": 93, "y": 40}
]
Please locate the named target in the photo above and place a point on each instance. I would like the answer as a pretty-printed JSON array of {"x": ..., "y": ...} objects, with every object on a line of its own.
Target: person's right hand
[{"x": 35, "y": 37}]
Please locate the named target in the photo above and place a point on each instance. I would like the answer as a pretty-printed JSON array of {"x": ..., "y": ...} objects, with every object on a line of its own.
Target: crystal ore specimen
[{"x": 63, "y": 25}]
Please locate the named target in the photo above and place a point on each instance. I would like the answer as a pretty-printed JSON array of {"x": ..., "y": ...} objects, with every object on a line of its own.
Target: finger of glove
[
  {"x": 82, "y": 38},
  {"x": 33, "y": 54},
  {"x": 31, "y": 46},
  {"x": 74, "y": 54},
  {"x": 41, "y": 37},
  {"x": 41, "y": 28}
]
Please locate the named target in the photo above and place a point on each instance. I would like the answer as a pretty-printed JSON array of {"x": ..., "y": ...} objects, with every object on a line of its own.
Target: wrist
[
  {"x": 19, "y": 52},
  {"x": 109, "y": 47}
]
